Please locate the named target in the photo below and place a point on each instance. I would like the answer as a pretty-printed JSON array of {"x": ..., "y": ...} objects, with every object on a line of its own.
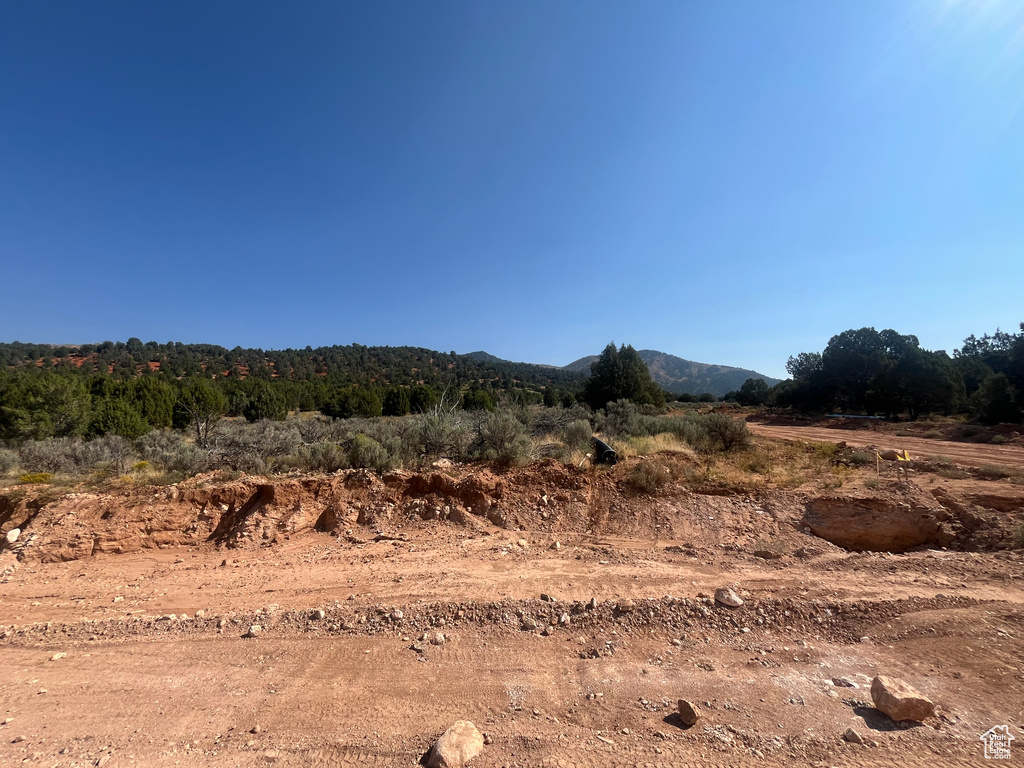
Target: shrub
[
  {"x": 110, "y": 451},
  {"x": 443, "y": 433},
  {"x": 648, "y": 476},
  {"x": 501, "y": 437},
  {"x": 52, "y": 456},
  {"x": 578, "y": 435},
  {"x": 367, "y": 452},
  {"x": 255, "y": 447},
  {"x": 725, "y": 432},
  {"x": 169, "y": 451},
  {"x": 860, "y": 458},
  {"x": 35, "y": 477},
  {"x": 322, "y": 457},
  {"x": 8, "y": 460},
  {"x": 872, "y": 482},
  {"x": 140, "y": 466},
  {"x": 992, "y": 472},
  {"x": 1000, "y": 439}
]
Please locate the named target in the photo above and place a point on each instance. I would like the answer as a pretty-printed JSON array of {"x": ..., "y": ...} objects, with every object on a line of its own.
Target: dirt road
[
  {"x": 965, "y": 454},
  {"x": 569, "y": 634}
]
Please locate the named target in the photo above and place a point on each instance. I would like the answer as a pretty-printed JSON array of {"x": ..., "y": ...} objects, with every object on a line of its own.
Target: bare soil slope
[{"x": 574, "y": 613}]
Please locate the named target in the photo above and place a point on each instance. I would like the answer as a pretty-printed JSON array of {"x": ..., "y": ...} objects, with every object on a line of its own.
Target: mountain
[{"x": 678, "y": 375}]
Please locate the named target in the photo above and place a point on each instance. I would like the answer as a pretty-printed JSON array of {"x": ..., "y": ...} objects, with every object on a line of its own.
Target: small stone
[
  {"x": 254, "y": 631},
  {"x": 58, "y": 656},
  {"x": 318, "y": 615},
  {"x": 396, "y": 615},
  {"x": 437, "y": 639},
  {"x": 899, "y": 700},
  {"x": 689, "y": 713},
  {"x": 626, "y": 606},
  {"x": 842, "y": 682},
  {"x": 563, "y": 620},
  {"x": 523, "y": 543},
  {"x": 529, "y": 624},
  {"x": 592, "y": 604},
  {"x": 117, "y": 598},
  {"x": 200, "y": 614},
  {"x": 221, "y": 623},
  {"x": 256, "y": 729},
  {"x": 17, "y": 740},
  {"x": 556, "y": 545},
  {"x": 726, "y": 596},
  {"x": 547, "y": 598},
  {"x": 853, "y": 737},
  {"x": 457, "y": 746},
  {"x": 13, "y": 534},
  {"x": 488, "y": 739}
]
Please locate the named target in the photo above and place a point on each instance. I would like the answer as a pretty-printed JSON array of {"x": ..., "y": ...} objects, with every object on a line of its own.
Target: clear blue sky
[{"x": 729, "y": 182}]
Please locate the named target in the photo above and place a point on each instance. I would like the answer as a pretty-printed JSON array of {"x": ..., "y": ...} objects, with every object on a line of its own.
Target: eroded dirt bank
[{"x": 574, "y": 613}]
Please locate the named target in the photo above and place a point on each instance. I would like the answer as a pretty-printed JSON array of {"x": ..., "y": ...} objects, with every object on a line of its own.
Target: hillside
[{"x": 678, "y": 375}]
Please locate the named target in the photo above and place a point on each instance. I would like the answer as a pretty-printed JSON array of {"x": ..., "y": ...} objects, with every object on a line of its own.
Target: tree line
[{"x": 888, "y": 374}]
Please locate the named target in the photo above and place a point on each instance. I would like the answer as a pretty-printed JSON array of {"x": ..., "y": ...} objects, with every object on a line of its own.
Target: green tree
[
  {"x": 41, "y": 405},
  {"x": 994, "y": 401},
  {"x": 396, "y": 401},
  {"x": 199, "y": 405},
  {"x": 621, "y": 374},
  {"x": 264, "y": 402},
  {"x": 753, "y": 392}
]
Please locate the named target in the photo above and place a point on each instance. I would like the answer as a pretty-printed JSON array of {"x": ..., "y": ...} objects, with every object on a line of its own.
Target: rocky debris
[
  {"x": 899, "y": 700},
  {"x": 254, "y": 631},
  {"x": 726, "y": 596},
  {"x": 13, "y": 534},
  {"x": 457, "y": 746},
  {"x": 853, "y": 737},
  {"x": 689, "y": 713}
]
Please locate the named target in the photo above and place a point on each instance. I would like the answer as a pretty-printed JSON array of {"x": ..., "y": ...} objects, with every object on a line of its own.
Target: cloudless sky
[{"x": 732, "y": 183}]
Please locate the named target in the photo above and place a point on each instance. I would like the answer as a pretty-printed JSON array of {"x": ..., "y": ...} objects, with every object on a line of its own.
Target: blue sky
[{"x": 733, "y": 183}]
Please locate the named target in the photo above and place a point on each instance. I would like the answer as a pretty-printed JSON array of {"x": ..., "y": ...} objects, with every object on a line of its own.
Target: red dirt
[{"x": 469, "y": 553}]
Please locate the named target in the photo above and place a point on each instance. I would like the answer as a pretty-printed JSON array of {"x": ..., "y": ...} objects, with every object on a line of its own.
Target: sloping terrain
[
  {"x": 678, "y": 375},
  {"x": 557, "y": 609}
]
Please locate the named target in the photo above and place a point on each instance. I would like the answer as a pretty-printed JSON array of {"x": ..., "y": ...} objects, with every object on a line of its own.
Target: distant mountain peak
[{"x": 678, "y": 375}]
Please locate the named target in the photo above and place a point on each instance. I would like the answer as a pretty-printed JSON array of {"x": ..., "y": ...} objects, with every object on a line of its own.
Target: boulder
[
  {"x": 13, "y": 534},
  {"x": 457, "y": 746},
  {"x": 899, "y": 700},
  {"x": 689, "y": 713},
  {"x": 726, "y": 596}
]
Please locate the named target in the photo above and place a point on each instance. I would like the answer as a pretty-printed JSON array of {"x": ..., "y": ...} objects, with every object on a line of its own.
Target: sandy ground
[{"x": 599, "y": 685}]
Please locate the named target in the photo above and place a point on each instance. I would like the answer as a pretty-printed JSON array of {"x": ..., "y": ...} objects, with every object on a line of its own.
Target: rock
[
  {"x": 592, "y": 604},
  {"x": 457, "y": 746},
  {"x": 853, "y": 737},
  {"x": 58, "y": 656},
  {"x": 13, "y": 534},
  {"x": 437, "y": 639},
  {"x": 318, "y": 615},
  {"x": 842, "y": 682},
  {"x": 563, "y": 620},
  {"x": 726, "y": 596},
  {"x": 397, "y": 615},
  {"x": 556, "y": 545},
  {"x": 899, "y": 700},
  {"x": 523, "y": 543},
  {"x": 688, "y": 712},
  {"x": 254, "y": 631},
  {"x": 547, "y": 598},
  {"x": 529, "y": 624},
  {"x": 256, "y": 729},
  {"x": 626, "y": 606}
]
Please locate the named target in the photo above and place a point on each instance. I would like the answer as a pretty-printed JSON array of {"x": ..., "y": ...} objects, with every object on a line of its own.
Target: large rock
[
  {"x": 13, "y": 534},
  {"x": 689, "y": 713},
  {"x": 457, "y": 746},
  {"x": 899, "y": 700},
  {"x": 726, "y": 596}
]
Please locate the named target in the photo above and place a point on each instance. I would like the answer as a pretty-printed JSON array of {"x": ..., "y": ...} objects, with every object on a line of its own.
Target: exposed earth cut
[{"x": 352, "y": 619}]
